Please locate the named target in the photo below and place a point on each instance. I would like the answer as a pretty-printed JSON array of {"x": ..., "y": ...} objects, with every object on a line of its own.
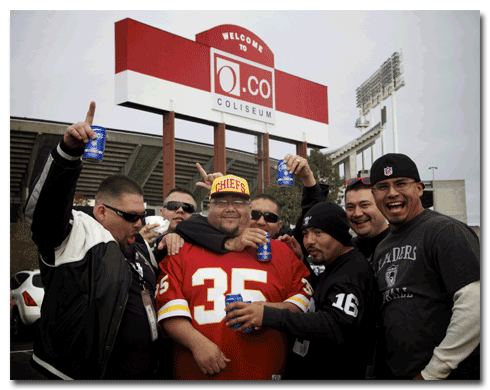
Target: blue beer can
[
  {"x": 94, "y": 150},
  {"x": 264, "y": 252},
  {"x": 284, "y": 177},
  {"x": 230, "y": 298}
]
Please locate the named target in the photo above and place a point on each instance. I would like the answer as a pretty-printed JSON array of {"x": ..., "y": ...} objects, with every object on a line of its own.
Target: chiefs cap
[
  {"x": 393, "y": 165},
  {"x": 230, "y": 185}
]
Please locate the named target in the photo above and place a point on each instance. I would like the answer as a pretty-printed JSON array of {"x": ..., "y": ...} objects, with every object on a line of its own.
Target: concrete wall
[
  {"x": 23, "y": 252},
  {"x": 450, "y": 198}
]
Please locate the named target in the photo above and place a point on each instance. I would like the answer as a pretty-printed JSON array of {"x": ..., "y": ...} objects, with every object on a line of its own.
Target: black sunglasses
[
  {"x": 268, "y": 217},
  {"x": 130, "y": 217},
  {"x": 187, "y": 207},
  {"x": 365, "y": 180}
]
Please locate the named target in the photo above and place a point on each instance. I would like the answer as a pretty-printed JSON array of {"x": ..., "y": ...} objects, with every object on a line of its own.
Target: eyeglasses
[
  {"x": 268, "y": 217},
  {"x": 222, "y": 203},
  {"x": 173, "y": 205},
  {"x": 400, "y": 185},
  {"x": 130, "y": 217},
  {"x": 365, "y": 180}
]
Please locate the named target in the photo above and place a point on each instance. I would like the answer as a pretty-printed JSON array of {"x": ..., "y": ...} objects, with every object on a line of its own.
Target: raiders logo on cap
[{"x": 307, "y": 220}]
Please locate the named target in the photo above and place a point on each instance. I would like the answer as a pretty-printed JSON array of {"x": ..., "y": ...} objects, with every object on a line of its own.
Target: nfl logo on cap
[{"x": 388, "y": 171}]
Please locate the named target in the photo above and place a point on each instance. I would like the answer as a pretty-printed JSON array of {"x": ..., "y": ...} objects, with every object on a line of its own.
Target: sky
[{"x": 61, "y": 60}]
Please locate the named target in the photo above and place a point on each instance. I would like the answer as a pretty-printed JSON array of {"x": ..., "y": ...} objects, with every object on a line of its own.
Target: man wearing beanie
[
  {"x": 428, "y": 272},
  {"x": 335, "y": 337}
]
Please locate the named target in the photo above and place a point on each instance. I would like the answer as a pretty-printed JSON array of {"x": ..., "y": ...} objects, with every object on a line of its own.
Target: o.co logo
[{"x": 244, "y": 81}]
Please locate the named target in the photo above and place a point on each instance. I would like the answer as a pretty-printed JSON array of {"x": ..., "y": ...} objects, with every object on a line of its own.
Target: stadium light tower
[
  {"x": 433, "y": 170},
  {"x": 381, "y": 85}
]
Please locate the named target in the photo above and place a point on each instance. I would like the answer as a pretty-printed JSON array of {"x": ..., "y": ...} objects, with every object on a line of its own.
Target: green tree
[
  {"x": 325, "y": 173},
  {"x": 290, "y": 197}
]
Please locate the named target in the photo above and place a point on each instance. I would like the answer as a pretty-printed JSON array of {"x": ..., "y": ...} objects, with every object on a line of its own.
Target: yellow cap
[{"x": 230, "y": 184}]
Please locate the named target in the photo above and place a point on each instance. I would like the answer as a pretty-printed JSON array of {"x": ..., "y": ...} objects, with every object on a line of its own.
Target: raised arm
[{"x": 48, "y": 209}]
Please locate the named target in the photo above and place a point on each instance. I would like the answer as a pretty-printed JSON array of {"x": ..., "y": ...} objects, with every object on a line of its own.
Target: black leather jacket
[{"x": 86, "y": 276}]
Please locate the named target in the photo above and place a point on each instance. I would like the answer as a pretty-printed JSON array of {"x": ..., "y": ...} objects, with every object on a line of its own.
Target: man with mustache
[
  {"x": 192, "y": 288},
  {"x": 97, "y": 319},
  {"x": 428, "y": 272},
  {"x": 265, "y": 215},
  {"x": 335, "y": 338}
]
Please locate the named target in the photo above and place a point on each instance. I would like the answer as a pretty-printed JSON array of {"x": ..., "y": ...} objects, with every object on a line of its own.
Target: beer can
[
  {"x": 230, "y": 298},
  {"x": 284, "y": 177},
  {"x": 94, "y": 150},
  {"x": 264, "y": 252}
]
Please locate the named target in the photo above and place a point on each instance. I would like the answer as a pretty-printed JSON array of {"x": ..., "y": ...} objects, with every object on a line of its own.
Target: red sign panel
[
  {"x": 238, "y": 41},
  {"x": 164, "y": 56}
]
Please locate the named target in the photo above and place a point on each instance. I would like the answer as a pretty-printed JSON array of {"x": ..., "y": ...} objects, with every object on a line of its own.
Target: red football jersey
[{"x": 194, "y": 283}]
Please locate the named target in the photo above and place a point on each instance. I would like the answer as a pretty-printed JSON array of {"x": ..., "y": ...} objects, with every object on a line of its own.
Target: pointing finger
[
  {"x": 201, "y": 170},
  {"x": 90, "y": 114}
]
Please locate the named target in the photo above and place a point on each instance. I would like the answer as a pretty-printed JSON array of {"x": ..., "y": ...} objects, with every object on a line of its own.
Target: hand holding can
[
  {"x": 264, "y": 252},
  {"x": 94, "y": 150},
  {"x": 284, "y": 177},
  {"x": 230, "y": 298}
]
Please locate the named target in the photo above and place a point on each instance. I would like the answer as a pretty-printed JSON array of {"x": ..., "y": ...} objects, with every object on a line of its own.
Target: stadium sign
[
  {"x": 242, "y": 87},
  {"x": 226, "y": 76}
]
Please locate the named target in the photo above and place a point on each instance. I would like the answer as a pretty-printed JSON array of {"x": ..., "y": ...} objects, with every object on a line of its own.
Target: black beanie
[
  {"x": 331, "y": 218},
  {"x": 393, "y": 165}
]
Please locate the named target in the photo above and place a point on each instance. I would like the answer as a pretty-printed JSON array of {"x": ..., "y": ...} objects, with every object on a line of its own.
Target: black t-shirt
[
  {"x": 419, "y": 267},
  {"x": 368, "y": 245},
  {"x": 133, "y": 354}
]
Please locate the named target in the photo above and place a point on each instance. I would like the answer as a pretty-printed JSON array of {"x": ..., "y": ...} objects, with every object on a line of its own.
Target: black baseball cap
[{"x": 393, "y": 165}]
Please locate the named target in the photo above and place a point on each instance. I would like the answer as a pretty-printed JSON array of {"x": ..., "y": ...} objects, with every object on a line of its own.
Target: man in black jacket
[
  {"x": 335, "y": 336},
  {"x": 97, "y": 318}
]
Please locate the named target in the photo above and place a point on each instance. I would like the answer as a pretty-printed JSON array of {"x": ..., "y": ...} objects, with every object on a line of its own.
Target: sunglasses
[
  {"x": 187, "y": 207},
  {"x": 130, "y": 217},
  {"x": 365, "y": 180},
  {"x": 268, "y": 217}
]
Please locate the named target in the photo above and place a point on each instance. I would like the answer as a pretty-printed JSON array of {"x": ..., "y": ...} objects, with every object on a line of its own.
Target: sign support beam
[
  {"x": 263, "y": 162},
  {"x": 302, "y": 149},
  {"x": 220, "y": 148},
  {"x": 168, "y": 152}
]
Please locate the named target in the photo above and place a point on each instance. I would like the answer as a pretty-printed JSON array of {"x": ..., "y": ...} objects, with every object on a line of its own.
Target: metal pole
[
  {"x": 395, "y": 133},
  {"x": 363, "y": 159},
  {"x": 433, "y": 172},
  {"x": 383, "y": 141}
]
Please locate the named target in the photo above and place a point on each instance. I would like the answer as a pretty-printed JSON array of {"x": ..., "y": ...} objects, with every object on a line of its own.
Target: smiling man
[
  {"x": 177, "y": 207},
  {"x": 364, "y": 216},
  {"x": 192, "y": 289},
  {"x": 265, "y": 214},
  {"x": 428, "y": 272}
]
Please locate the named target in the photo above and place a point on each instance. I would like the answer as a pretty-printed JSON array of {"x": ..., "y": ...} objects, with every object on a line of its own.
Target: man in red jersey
[{"x": 192, "y": 289}]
